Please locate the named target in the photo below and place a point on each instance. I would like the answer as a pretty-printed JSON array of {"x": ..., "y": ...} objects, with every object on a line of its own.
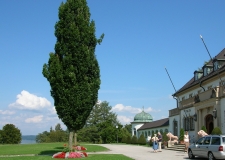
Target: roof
[
  {"x": 154, "y": 124},
  {"x": 143, "y": 117},
  {"x": 192, "y": 82}
]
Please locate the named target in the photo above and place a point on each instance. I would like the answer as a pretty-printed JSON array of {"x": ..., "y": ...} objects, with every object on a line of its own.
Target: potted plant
[
  {"x": 181, "y": 138},
  {"x": 165, "y": 140}
]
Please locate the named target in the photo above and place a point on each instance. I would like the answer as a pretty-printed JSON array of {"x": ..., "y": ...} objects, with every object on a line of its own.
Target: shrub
[
  {"x": 181, "y": 138},
  {"x": 142, "y": 140},
  {"x": 124, "y": 139},
  {"x": 204, "y": 129},
  {"x": 128, "y": 141},
  {"x": 216, "y": 130},
  {"x": 134, "y": 140}
]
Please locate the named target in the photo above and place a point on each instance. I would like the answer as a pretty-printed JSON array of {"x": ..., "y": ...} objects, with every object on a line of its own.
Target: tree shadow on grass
[
  {"x": 60, "y": 148},
  {"x": 49, "y": 152}
]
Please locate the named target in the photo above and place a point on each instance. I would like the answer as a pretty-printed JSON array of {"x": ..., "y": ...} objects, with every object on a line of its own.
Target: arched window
[
  {"x": 161, "y": 131},
  {"x": 135, "y": 132},
  {"x": 166, "y": 130},
  {"x": 149, "y": 133}
]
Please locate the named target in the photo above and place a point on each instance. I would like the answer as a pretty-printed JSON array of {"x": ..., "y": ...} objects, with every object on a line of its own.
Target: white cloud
[
  {"x": 7, "y": 112},
  {"x": 122, "y": 108},
  {"x": 35, "y": 119},
  {"x": 26, "y": 100},
  {"x": 124, "y": 119},
  {"x": 52, "y": 110}
]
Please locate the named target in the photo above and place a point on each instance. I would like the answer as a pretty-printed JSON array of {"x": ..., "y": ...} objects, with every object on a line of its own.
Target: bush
[
  {"x": 216, "y": 130},
  {"x": 10, "y": 134},
  {"x": 181, "y": 138},
  {"x": 142, "y": 140},
  {"x": 128, "y": 141},
  {"x": 134, "y": 140},
  {"x": 204, "y": 129},
  {"x": 124, "y": 139}
]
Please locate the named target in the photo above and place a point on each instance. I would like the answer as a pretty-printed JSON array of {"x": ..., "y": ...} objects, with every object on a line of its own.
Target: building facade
[
  {"x": 143, "y": 124},
  {"x": 201, "y": 101}
]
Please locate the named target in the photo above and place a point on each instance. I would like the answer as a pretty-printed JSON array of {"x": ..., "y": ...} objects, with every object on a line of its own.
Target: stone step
[{"x": 178, "y": 147}]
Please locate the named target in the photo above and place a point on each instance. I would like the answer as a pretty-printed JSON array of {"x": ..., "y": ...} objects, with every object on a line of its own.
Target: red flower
[{"x": 59, "y": 155}]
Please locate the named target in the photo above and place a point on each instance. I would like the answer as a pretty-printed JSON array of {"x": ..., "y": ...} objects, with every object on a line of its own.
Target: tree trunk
[
  {"x": 75, "y": 138},
  {"x": 70, "y": 140}
]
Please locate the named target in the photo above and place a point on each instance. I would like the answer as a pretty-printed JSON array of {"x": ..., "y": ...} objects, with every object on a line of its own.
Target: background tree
[
  {"x": 11, "y": 134},
  {"x": 128, "y": 127},
  {"x": 101, "y": 112},
  {"x": 73, "y": 70}
]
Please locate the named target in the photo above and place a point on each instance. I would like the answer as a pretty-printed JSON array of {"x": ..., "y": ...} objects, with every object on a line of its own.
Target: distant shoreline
[{"x": 28, "y": 139}]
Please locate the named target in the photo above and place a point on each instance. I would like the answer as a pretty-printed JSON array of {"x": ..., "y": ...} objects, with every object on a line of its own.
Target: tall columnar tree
[{"x": 73, "y": 71}]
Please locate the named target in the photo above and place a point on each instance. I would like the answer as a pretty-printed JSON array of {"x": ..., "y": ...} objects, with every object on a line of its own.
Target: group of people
[{"x": 157, "y": 142}]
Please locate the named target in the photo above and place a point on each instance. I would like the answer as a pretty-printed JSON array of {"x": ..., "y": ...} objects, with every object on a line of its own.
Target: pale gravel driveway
[{"x": 142, "y": 153}]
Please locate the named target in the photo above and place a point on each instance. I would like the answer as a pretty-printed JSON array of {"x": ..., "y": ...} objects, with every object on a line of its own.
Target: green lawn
[{"x": 44, "y": 151}]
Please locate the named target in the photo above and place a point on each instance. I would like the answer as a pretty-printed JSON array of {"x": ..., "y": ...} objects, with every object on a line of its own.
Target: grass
[{"x": 44, "y": 151}]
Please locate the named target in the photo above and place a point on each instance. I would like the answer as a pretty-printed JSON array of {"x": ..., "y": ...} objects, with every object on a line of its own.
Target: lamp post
[{"x": 116, "y": 134}]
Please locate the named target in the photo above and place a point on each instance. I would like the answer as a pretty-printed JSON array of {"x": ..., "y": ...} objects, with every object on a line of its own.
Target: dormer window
[
  {"x": 207, "y": 69},
  {"x": 198, "y": 75},
  {"x": 217, "y": 64}
]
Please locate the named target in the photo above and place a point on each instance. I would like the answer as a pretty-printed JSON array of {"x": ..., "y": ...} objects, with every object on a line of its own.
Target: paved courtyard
[{"x": 143, "y": 153}]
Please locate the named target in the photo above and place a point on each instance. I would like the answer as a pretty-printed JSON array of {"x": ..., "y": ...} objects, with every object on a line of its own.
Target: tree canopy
[
  {"x": 73, "y": 71},
  {"x": 10, "y": 134}
]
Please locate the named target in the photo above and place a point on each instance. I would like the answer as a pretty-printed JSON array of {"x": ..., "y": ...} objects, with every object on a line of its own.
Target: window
[
  {"x": 149, "y": 133},
  {"x": 190, "y": 95},
  {"x": 207, "y": 141},
  {"x": 166, "y": 130},
  {"x": 192, "y": 125},
  {"x": 188, "y": 123},
  {"x": 207, "y": 70},
  {"x": 183, "y": 98},
  {"x": 135, "y": 131},
  {"x": 223, "y": 139},
  {"x": 200, "y": 141},
  {"x": 215, "y": 65},
  {"x": 146, "y": 134},
  {"x": 215, "y": 141}
]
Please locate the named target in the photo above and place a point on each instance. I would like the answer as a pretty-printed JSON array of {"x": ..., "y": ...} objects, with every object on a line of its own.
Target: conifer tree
[{"x": 72, "y": 70}]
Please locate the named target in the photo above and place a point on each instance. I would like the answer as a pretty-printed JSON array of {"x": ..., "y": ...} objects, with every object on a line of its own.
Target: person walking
[
  {"x": 160, "y": 141},
  {"x": 155, "y": 143},
  {"x": 186, "y": 141}
]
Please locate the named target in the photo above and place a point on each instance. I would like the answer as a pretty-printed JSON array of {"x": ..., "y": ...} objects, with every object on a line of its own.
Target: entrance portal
[{"x": 209, "y": 123}]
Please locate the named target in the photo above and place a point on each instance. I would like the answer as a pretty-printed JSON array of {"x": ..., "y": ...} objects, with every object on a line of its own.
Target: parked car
[{"x": 211, "y": 147}]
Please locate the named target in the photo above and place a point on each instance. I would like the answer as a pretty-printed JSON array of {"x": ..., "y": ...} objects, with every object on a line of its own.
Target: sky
[{"x": 141, "y": 39}]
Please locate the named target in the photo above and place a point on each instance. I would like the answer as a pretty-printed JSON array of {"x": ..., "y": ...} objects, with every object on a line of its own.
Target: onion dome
[{"x": 143, "y": 117}]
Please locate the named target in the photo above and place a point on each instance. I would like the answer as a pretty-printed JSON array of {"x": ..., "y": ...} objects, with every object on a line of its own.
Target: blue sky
[{"x": 141, "y": 38}]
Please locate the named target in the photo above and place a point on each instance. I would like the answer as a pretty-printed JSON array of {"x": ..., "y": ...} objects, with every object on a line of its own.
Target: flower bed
[
  {"x": 76, "y": 153},
  {"x": 70, "y": 155}
]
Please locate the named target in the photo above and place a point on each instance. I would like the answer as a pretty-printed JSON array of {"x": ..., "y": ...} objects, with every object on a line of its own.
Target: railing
[
  {"x": 174, "y": 112},
  {"x": 187, "y": 102}
]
